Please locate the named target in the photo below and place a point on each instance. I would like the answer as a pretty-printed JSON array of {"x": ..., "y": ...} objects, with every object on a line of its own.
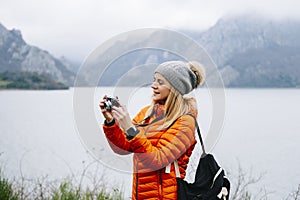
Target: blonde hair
[{"x": 175, "y": 106}]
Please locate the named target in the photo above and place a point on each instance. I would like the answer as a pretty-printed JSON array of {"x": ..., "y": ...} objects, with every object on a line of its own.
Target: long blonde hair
[{"x": 176, "y": 104}]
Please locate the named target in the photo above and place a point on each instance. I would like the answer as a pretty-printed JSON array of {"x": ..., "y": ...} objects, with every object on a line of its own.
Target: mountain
[
  {"x": 254, "y": 51},
  {"x": 249, "y": 51},
  {"x": 17, "y": 56}
]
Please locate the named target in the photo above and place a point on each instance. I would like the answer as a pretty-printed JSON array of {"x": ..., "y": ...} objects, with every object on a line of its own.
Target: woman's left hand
[{"x": 122, "y": 116}]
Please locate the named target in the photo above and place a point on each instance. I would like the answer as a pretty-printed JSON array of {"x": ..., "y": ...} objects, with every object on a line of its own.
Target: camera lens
[{"x": 107, "y": 105}]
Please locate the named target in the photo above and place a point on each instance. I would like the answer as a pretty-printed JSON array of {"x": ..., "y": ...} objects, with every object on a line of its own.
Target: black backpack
[{"x": 210, "y": 180}]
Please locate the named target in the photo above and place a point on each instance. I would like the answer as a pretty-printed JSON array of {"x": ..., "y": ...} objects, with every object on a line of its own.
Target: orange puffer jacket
[{"x": 153, "y": 150}]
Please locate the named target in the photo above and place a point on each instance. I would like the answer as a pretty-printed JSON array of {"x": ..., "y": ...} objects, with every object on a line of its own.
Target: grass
[
  {"x": 40, "y": 189},
  {"x": 69, "y": 189},
  {"x": 6, "y": 189}
]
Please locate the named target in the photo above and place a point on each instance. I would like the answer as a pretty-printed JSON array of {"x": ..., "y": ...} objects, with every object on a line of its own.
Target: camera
[{"x": 110, "y": 102}]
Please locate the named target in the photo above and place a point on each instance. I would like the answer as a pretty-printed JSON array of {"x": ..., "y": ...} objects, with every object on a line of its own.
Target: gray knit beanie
[{"x": 179, "y": 75}]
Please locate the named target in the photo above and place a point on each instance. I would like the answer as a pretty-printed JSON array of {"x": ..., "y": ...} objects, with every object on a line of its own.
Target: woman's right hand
[{"x": 107, "y": 115}]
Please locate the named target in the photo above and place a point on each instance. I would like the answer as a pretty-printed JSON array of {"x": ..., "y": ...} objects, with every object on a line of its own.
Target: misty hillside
[
  {"x": 17, "y": 56},
  {"x": 248, "y": 51},
  {"x": 259, "y": 52}
]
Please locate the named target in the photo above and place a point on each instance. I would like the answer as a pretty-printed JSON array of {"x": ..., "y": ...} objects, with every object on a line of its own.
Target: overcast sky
[{"x": 74, "y": 28}]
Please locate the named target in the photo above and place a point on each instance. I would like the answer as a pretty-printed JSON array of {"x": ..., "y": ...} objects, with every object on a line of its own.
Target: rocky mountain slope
[
  {"x": 17, "y": 56},
  {"x": 248, "y": 51},
  {"x": 255, "y": 52}
]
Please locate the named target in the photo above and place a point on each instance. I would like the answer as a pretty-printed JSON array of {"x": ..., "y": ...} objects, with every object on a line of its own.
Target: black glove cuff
[{"x": 109, "y": 123}]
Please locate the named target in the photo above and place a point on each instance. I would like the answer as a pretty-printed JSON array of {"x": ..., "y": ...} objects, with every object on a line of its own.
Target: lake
[{"x": 42, "y": 135}]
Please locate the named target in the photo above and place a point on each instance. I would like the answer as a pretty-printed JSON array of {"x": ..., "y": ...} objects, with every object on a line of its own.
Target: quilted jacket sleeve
[
  {"x": 117, "y": 138},
  {"x": 171, "y": 145}
]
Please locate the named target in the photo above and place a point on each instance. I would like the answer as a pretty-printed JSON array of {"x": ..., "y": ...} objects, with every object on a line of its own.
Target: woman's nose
[{"x": 154, "y": 85}]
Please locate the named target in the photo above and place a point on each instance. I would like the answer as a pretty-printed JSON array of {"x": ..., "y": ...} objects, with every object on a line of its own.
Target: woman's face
[{"x": 161, "y": 88}]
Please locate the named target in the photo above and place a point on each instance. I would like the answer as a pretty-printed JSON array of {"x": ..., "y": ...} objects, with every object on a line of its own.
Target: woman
[{"x": 160, "y": 133}]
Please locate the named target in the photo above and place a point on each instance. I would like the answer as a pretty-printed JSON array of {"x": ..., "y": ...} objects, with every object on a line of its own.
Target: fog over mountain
[
  {"x": 255, "y": 52},
  {"x": 249, "y": 51}
]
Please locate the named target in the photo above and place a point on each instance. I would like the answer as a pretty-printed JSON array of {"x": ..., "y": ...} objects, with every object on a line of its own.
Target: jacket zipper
[
  {"x": 136, "y": 186},
  {"x": 136, "y": 180},
  {"x": 160, "y": 189}
]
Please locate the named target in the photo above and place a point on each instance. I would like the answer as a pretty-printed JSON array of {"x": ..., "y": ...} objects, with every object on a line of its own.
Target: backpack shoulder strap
[
  {"x": 198, "y": 131},
  {"x": 176, "y": 166},
  {"x": 199, "y": 135}
]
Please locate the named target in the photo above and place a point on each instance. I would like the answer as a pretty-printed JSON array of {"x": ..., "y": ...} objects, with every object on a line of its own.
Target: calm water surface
[{"x": 39, "y": 136}]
